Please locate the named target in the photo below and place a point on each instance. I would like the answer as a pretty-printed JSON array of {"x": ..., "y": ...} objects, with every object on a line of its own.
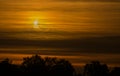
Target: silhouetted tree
[
  {"x": 95, "y": 69},
  {"x": 37, "y": 65},
  {"x": 115, "y": 72},
  {"x": 6, "y": 61},
  {"x": 6, "y": 67},
  {"x": 34, "y": 65},
  {"x": 62, "y": 68}
]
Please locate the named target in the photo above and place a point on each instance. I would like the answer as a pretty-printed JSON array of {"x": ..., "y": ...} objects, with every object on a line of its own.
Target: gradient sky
[{"x": 77, "y": 29}]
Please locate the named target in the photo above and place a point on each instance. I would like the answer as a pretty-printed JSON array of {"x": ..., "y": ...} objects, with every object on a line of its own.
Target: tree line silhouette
[{"x": 38, "y": 66}]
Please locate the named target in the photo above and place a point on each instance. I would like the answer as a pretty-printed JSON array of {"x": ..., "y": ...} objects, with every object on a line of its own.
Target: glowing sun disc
[{"x": 36, "y": 24}]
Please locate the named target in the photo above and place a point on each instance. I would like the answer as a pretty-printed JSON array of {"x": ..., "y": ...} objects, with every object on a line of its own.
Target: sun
[{"x": 36, "y": 24}]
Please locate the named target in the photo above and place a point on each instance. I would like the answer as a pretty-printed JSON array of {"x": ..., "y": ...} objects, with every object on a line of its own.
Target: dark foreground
[{"x": 37, "y": 66}]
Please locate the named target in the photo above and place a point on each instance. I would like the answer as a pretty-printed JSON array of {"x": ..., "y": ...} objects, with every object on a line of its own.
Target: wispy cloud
[{"x": 91, "y": 45}]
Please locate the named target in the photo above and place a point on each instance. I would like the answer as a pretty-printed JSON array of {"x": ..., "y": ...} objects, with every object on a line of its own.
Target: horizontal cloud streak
[
  {"x": 96, "y": 45},
  {"x": 88, "y": 0},
  {"x": 62, "y": 0}
]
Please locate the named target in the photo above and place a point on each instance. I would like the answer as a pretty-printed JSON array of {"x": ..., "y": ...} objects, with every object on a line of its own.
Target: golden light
[{"x": 36, "y": 24}]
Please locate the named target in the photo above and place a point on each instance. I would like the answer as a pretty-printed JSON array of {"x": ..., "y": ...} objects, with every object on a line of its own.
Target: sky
[{"x": 78, "y": 30}]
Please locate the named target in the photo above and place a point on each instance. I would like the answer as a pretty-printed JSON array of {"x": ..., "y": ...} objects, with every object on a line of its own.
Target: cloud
[
  {"x": 87, "y": 0},
  {"x": 108, "y": 44}
]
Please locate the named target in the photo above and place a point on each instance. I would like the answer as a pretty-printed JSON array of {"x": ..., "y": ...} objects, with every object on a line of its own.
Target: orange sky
[{"x": 65, "y": 26}]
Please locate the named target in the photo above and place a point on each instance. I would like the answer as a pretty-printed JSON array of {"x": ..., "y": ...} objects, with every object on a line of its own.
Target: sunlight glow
[{"x": 36, "y": 24}]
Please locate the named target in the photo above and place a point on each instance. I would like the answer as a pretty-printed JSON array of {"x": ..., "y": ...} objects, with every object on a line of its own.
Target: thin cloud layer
[{"x": 108, "y": 44}]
